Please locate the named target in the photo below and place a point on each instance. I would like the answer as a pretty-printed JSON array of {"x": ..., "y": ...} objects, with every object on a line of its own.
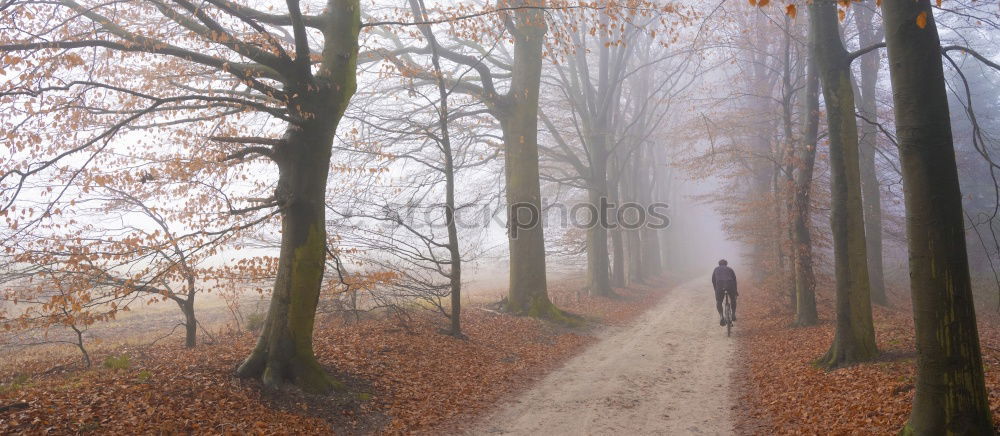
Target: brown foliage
[
  {"x": 417, "y": 379},
  {"x": 782, "y": 392}
]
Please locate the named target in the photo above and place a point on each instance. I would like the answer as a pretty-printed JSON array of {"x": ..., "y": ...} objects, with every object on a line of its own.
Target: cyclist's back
[{"x": 724, "y": 281}]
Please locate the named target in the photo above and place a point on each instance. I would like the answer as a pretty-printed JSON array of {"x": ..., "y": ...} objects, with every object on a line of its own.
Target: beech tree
[
  {"x": 869, "y": 34},
  {"x": 187, "y": 69},
  {"x": 805, "y": 277},
  {"x": 950, "y": 396},
  {"x": 855, "y": 333},
  {"x": 607, "y": 123},
  {"x": 517, "y": 113}
]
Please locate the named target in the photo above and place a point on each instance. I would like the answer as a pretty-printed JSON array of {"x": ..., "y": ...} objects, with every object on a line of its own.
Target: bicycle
[{"x": 727, "y": 313}]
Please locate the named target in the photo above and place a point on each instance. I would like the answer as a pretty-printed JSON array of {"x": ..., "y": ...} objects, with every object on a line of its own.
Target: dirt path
[{"x": 668, "y": 373}]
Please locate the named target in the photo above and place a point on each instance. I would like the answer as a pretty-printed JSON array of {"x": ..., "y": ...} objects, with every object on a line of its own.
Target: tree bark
[
  {"x": 598, "y": 258},
  {"x": 190, "y": 323},
  {"x": 950, "y": 396},
  {"x": 518, "y": 115},
  {"x": 284, "y": 350},
  {"x": 870, "y": 192},
  {"x": 651, "y": 265},
  {"x": 617, "y": 241},
  {"x": 664, "y": 187},
  {"x": 805, "y": 278},
  {"x": 855, "y": 332},
  {"x": 454, "y": 253},
  {"x": 633, "y": 243}
]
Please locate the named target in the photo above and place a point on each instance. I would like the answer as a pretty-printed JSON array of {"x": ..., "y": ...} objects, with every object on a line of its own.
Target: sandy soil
[{"x": 668, "y": 373}]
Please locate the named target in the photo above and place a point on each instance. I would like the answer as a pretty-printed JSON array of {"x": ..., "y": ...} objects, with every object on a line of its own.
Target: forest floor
[
  {"x": 666, "y": 373},
  {"x": 404, "y": 377},
  {"x": 782, "y": 392}
]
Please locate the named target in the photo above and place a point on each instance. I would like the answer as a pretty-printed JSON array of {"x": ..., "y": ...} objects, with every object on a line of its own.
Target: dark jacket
[{"x": 724, "y": 278}]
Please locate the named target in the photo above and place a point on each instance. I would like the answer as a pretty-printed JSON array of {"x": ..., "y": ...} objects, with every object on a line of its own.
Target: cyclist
[{"x": 724, "y": 280}]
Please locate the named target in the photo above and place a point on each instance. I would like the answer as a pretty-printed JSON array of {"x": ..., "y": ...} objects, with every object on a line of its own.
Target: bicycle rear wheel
[{"x": 729, "y": 315}]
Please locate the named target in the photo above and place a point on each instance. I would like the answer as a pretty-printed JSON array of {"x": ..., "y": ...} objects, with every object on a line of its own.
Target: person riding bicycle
[{"x": 724, "y": 280}]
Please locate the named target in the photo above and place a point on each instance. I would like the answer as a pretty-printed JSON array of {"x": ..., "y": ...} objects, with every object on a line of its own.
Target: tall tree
[
  {"x": 454, "y": 274},
  {"x": 951, "y": 396},
  {"x": 517, "y": 113},
  {"x": 869, "y": 34},
  {"x": 593, "y": 94},
  {"x": 197, "y": 65},
  {"x": 855, "y": 332},
  {"x": 805, "y": 278}
]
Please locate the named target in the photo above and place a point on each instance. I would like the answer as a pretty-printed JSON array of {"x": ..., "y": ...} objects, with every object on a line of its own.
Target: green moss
[
  {"x": 306, "y": 277},
  {"x": 311, "y": 378},
  {"x": 542, "y": 308},
  {"x": 907, "y": 430},
  {"x": 117, "y": 362},
  {"x": 18, "y": 382}
]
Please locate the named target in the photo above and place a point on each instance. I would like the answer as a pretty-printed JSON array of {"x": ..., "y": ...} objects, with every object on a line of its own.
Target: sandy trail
[{"x": 667, "y": 373}]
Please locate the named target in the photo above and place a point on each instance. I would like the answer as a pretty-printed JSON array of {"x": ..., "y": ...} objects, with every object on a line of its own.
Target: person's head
[{"x": 723, "y": 262}]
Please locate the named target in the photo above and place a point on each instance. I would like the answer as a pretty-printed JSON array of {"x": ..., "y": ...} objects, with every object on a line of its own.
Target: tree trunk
[
  {"x": 633, "y": 244},
  {"x": 650, "y": 240},
  {"x": 617, "y": 242},
  {"x": 855, "y": 333},
  {"x": 190, "y": 322},
  {"x": 455, "y": 274},
  {"x": 664, "y": 186},
  {"x": 870, "y": 192},
  {"x": 284, "y": 350},
  {"x": 454, "y": 253},
  {"x": 528, "y": 293},
  {"x": 598, "y": 267},
  {"x": 784, "y": 180},
  {"x": 805, "y": 278},
  {"x": 950, "y": 396}
]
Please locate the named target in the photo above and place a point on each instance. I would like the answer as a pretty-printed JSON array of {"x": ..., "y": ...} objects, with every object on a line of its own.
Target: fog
[{"x": 261, "y": 173}]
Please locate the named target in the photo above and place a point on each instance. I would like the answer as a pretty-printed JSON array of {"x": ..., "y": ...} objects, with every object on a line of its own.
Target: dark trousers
[{"x": 719, "y": 294}]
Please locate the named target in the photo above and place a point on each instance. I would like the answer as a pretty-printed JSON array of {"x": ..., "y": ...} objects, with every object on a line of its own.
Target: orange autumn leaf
[
  {"x": 790, "y": 10},
  {"x": 922, "y": 20}
]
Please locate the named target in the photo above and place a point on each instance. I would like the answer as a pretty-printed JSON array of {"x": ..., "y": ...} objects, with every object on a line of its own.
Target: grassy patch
[{"x": 117, "y": 362}]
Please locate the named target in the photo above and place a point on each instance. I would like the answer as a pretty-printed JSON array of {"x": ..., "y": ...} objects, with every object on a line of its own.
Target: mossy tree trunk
[
  {"x": 871, "y": 195},
  {"x": 805, "y": 278},
  {"x": 855, "y": 332},
  {"x": 950, "y": 396},
  {"x": 518, "y": 115},
  {"x": 284, "y": 350}
]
